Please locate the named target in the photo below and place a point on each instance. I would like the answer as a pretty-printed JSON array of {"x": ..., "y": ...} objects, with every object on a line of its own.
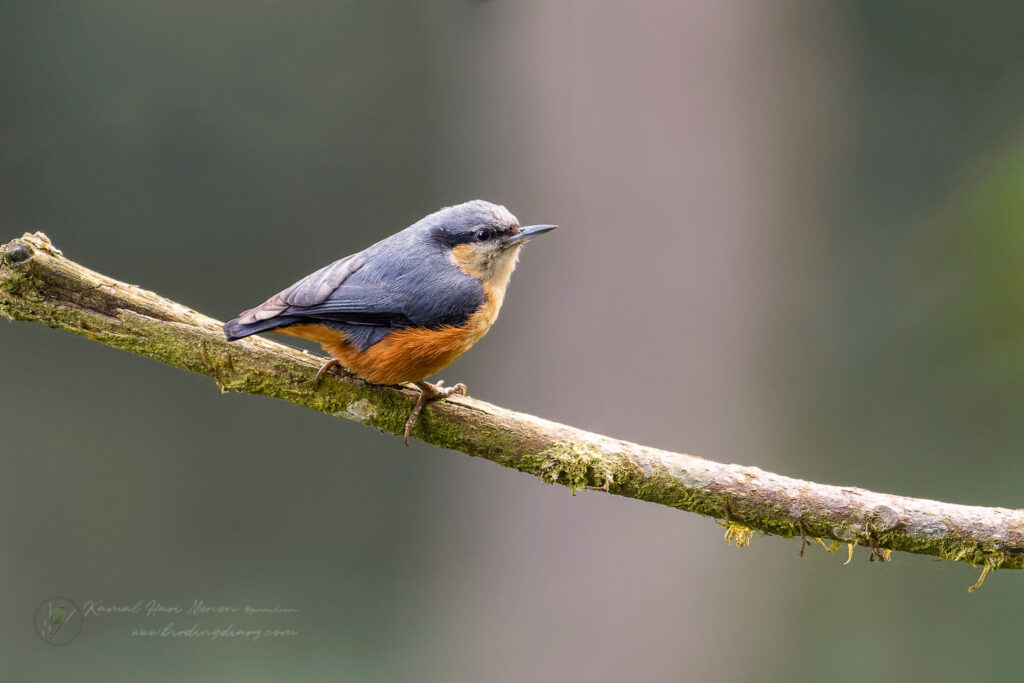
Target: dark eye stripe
[{"x": 442, "y": 236}]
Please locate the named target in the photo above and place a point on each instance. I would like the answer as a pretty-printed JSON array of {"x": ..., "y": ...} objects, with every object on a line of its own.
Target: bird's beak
[{"x": 529, "y": 232}]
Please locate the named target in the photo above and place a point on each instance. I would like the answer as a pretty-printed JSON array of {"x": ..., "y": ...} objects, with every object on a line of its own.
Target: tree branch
[{"x": 37, "y": 283}]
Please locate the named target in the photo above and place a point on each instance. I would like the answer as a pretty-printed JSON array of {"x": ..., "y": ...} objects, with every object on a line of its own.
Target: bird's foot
[
  {"x": 430, "y": 392},
  {"x": 325, "y": 368}
]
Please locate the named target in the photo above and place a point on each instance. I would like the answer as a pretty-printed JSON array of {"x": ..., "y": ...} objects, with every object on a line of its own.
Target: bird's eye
[{"x": 483, "y": 235}]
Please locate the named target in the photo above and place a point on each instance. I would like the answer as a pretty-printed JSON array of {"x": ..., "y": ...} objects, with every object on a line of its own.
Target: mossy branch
[{"x": 37, "y": 283}]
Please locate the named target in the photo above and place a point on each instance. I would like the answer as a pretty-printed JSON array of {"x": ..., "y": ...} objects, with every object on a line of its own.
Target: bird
[
  {"x": 57, "y": 615},
  {"x": 402, "y": 309}
]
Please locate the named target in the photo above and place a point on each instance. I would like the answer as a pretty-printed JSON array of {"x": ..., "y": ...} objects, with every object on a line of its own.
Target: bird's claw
[
  {"x": 430, "y": 392},
  {"x": 325, "y": 368},
  {"x": 445, "y": 392}
]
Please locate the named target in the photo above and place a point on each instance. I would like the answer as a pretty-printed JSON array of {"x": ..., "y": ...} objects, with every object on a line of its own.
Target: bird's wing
[
  {"x": 324, "y": 294},
  {"x": 354, "y": 291},
  {"x": 355, "y": 305}
]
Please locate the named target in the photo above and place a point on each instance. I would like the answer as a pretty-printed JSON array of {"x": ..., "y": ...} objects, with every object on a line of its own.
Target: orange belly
[{"x": 406, "y": 355}]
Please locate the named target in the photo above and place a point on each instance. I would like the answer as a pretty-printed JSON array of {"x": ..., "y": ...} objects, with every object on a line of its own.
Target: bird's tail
[{"x": 236, "y": 330}]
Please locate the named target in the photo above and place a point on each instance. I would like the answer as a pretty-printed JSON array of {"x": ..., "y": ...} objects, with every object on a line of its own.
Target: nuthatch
[{"x": 407, "y": 306}]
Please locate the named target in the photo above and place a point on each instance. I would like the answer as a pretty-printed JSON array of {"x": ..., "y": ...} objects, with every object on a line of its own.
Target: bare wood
[{"x": 38, "y": 283}]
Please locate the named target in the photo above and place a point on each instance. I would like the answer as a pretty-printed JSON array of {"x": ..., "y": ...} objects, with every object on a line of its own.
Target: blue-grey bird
[{"x": 404, "y": 308}]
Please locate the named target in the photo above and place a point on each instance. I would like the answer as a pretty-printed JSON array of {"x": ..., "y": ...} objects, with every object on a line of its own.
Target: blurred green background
[{"x": 791, "y": 237}]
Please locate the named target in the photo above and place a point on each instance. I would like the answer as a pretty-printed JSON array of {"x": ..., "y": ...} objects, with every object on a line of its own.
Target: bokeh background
[{"x": 791, "y": 237}]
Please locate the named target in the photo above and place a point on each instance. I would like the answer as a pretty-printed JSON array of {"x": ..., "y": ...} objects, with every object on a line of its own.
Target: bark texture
[{"x": 37, "y": 283}]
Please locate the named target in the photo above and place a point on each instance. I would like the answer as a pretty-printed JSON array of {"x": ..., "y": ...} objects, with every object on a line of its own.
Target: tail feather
[{"x": 235, "y": 330}]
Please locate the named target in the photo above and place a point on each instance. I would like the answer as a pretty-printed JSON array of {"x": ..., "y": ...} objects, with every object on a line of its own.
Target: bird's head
[{"x": 483, "y": 239}]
